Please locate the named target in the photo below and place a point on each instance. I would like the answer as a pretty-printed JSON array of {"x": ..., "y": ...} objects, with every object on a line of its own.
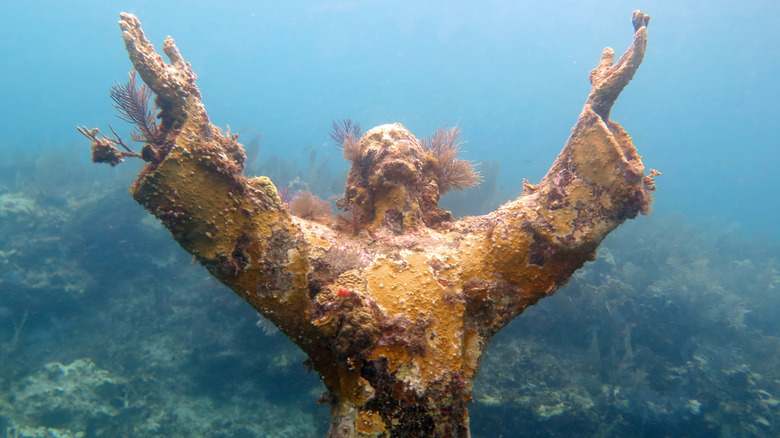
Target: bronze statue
[{"x": 395, "y": 310}]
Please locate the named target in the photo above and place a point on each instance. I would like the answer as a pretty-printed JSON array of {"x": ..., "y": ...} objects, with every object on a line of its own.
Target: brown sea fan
[
  {"x": 308, "y": 206},
  {"x": 452, "y": 172},
  {"x": 349, "y": 221}
]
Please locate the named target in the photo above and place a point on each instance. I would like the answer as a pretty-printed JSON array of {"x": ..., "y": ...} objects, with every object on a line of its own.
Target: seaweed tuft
[
  {"x": 347, "y": 134},
  {"x": 132, "y": 102},
  {"x": 451, "y": 171}
]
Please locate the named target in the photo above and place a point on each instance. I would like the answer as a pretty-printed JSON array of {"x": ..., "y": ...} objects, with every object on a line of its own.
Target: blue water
[{"x": 702, "y": 109}]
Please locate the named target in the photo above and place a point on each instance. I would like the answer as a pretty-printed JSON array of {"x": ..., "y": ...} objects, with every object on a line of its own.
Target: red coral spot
[
  {"x": 443, "y": 282},
  {"x": 343, "y": 292}
]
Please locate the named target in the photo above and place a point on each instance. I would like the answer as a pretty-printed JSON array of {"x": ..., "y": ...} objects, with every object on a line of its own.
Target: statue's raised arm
[{"x": 396, "y": 301}]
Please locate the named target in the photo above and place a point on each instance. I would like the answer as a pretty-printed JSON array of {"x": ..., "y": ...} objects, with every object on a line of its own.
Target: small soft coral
[
  {"x": 132, "y": 102},
  {"x": 451, "y": 171},
  {"x": 347, "y": 134},
  {"x": 308, "y": 206}
]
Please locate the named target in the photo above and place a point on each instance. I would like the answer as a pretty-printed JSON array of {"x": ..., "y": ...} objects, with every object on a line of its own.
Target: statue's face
[{"x": 391, "y": 154}]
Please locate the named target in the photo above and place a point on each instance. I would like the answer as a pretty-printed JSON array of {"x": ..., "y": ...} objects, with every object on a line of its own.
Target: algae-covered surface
[{"x": 109, "y": 329}]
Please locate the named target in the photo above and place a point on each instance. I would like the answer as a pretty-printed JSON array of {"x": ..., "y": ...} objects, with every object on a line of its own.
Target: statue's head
[{"x": 393, "y": 182}]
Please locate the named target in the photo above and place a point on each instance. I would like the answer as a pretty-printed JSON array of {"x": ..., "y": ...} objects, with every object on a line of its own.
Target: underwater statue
[{"x": 395, "y": 311}]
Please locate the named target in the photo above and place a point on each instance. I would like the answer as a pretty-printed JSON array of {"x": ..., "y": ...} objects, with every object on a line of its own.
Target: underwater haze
[{"x": 108, "y": 329}]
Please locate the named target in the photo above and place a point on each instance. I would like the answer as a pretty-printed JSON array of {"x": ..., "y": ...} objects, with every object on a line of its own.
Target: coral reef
[
  {"x": 654, "y": 342},
  {"x": 34, "y": 215},
  {"x": 70, "y": 396},
  {"x": 395, "y": 318},
  {"x": 72, "y": 289},
  {"x": 188, "y": 351}
]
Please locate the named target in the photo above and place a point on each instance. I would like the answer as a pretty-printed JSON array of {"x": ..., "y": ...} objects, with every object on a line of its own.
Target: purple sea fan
[
  {"x": 286, "y": 195},
  {"x": 132, "y": 102},
  {"x": 347, "y": 134},
  {"x": 452, "y": 172}
]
